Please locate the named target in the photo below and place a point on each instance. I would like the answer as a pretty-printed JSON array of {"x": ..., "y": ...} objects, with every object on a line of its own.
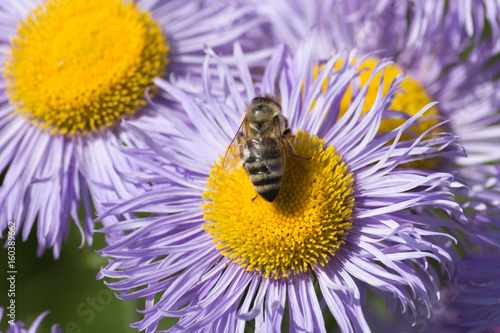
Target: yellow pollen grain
[
  {"x": 411, "y": 98},
  {"x": 303, "y": 227},
  {"x": 79, "y": 66}
]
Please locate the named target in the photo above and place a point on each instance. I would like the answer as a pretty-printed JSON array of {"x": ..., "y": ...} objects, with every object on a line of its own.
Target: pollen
[
  {"x": 303, "y": 227},
  {"x": 411, "y": 98},
  {"x": 79, "y": 66}
]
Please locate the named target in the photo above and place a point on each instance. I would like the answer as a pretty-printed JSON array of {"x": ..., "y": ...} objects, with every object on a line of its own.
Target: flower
[
  {"x": 479, "y": 292},
  {"x": 18, "y": 326},
  {"x": 449, "y": 51},
  {"x": 64, "y": 88},
  {"x": 213, "y": 254},
  {"x": 473, "y": 21},
  {"x": 470, "y": 303}
]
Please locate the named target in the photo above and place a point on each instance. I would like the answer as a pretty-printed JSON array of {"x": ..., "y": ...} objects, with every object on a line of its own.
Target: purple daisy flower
[
  {"x": 479, "y": 292},
  {"x": 470, "y": 304},
  {"x": 18, "y": 326},
  {"x": 64, "y": 88},
  {"x": 216, "y": 255},
  {"x": 474, "y": 20},
  {"x": 447, "y": 50}
]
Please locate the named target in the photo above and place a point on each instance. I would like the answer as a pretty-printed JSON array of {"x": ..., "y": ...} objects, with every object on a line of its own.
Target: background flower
[
  {"x": 450, "y": 51},
  {"x": 477, "y": 300},
  {"x": 469, "y": 303},
  {"x": 61, "y": 105},
  {"x": 474, "y": 21}
]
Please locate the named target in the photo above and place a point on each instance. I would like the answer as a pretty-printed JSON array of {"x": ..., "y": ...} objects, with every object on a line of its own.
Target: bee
[{"x": 259, "y": 145}]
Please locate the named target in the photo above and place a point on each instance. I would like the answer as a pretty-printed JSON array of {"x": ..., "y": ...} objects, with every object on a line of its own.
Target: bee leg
[
  {"x": 285, "y": 121},
  {"x": 255, "y": 197},
  {"x": 286, "y": 134}
]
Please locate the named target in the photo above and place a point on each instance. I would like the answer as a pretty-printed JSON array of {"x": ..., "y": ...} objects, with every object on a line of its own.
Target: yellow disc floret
[
  {"x": 77, "y": 66},
  {"x": 302, "y": 227},
  {"x": 411, "y": 98}
]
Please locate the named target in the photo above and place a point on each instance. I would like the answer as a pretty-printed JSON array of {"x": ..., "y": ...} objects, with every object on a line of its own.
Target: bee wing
[
  {"x": 280, "y": 137},
  {"x": 232, "y": 159}
]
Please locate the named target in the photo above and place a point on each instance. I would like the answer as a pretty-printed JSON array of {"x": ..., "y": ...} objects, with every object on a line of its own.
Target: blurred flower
[
  {"x": 479, "y": 292},
  {"x": 449, "y": 51},
  {"x": 216, "y": 256},
  {"x": 71, "y": 70},
  {"x": 470, "y": 303},
  {"x": 18, "y": 326},
  {"x": 472, "y": 21}
]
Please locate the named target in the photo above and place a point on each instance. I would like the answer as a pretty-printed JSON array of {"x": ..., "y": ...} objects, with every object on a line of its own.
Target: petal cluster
[
  {"x": 18, "y": 326},
  {"x": 66, "y": 84}
]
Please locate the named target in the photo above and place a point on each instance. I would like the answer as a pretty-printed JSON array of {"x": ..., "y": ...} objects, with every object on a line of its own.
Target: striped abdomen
[{"x": 263, "y": 165}]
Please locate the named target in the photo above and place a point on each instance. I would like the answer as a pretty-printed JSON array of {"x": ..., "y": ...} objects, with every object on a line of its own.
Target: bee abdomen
[
  {"x": 265, "y": 179},
  {"x": 255, "y": 166},
  {"x": 264, "y": 166},
  {"x": 268, "y": 191},
  {"x": 266, "y": 182}
]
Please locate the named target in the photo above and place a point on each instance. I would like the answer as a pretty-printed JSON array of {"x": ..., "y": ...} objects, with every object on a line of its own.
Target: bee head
[
  {"x": 261, "y": 112},
  {"x": 264, "y": 108}
]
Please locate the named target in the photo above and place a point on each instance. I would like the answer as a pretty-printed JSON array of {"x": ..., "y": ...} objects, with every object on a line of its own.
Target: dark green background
[{"x": 67, "y": 287}]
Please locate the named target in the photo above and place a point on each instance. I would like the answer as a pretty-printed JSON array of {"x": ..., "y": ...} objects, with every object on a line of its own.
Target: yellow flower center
[
  {"x": 410, "y": 99},
  {"x": 302, "y": 227},
  {"x": 78, "y": 66}
]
